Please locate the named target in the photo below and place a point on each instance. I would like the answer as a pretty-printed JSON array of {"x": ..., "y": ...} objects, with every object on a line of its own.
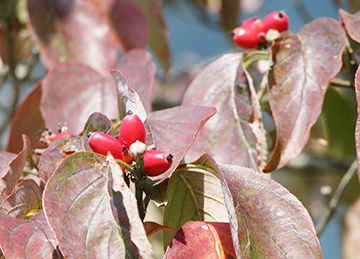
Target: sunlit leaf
[
  {"x": 139, "y": 69},
  {"x": 193, "y": 194},
  {"x": 92, "y": 211},
  {"x": 27, "y": 120},
  {"x": 303, "y": 65},
  {"x": 128, "y": 99},
  {"x": 266, "y": 220},
  {"x": 198, "y": 239},
  {"x": 77, "y": 91},
  {"x": 25, "y": 197},
  {"x": 227, "y": 136},
  {"x": 352, "y": 24},
  {"x": 5, "y": 159},
  {"x": 56, "y": 152},
  {"x": 174, "y": 130},
  {"x": 27, "y": 238},
  {"x": 71, "y": 31},
  {"x": 12, "y": 176}
]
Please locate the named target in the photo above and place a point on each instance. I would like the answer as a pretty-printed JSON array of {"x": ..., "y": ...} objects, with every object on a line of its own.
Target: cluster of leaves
[{"x": 63, "y": 200}]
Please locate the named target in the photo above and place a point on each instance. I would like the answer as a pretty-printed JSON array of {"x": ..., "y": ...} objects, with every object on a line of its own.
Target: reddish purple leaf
[
  {"x": 303, "y": 65},
  {"x": 97, "y": 122},
  {"x": 265, "y": 218},
  {"x": 174, "y": 130},
  {"x": 27, "y": 238},
  {"x": 158, "y": 40},
  {"x": 139, "y": 69},
  {"x": 198, "y": 239},
  {"x": 357, "y": 128},
  {"x": 194, "y": 194},
  {"x": 92, "y": 211},
  {"x": 352, "y": 24},
  {"x": 126, "y": 20},
  {"x": 56, "y": 152},
  {"x": 5, "y": 159},
  {"x": 27, "y": 120},
  {"x": 128, "y": 98},
  {"x": 71, "y": 31},
  {"x": 15, "y": 170},
  {"x": 25, "y": 197},
  {"x": 72, "y": 92},
  {"x": 227, "y": 136}
]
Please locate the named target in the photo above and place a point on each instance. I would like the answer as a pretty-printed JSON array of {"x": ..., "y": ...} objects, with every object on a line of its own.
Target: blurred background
[{"x": 198, "y": 34}]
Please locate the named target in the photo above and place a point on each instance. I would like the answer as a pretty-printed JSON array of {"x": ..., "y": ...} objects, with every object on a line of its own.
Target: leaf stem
[
  {"x": 337, "y": 82},
  {"x": 125, "y": 165},
  {"x": 254, "y": 56},
  {"x": 140, "y": 178},
  {"x": 334, "y": 201},
  {"x": 25, "y": 171},
  {"x": 139, "y": 189},
  {"x": 116, "y": 124}
]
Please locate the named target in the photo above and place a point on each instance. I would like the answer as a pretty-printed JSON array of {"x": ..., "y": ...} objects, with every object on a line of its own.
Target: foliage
[{"x": 60, "y": 199}]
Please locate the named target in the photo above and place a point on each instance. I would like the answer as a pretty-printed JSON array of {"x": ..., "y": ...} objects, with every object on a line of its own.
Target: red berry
[
  {"x": 277, "y": 21},
  {"x": 131, "y": 129},
  {"x": 246, "y": 38},
  {"x": 62, "y": 135},
  {"x": 156, "y": 162},
  {"x": 102, "y": 143},
  {"x": 254, "y": 23}
]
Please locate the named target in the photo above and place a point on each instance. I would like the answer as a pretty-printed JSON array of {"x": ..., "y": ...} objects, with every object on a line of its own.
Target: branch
[
  {"x": 342, "y": 83},
  {"x": 330, "y": 211}
]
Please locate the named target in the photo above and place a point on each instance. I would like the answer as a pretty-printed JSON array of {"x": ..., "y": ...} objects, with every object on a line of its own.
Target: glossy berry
[
  {"x": 131, "y": 129},
  {"x": 277, "y": 21},
  {"x": 246, "y": 37},
  {"x": 156, "y": 162},
  {"x": 102, "y": 143},
  {"x": 62, "y": 135},
  {"x": 255, "y": 24}
]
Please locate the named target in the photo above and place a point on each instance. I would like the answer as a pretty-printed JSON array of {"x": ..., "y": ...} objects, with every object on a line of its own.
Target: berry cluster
[
  {"x": 254, "y": 31},
  {"x": 132, "y": 135}
]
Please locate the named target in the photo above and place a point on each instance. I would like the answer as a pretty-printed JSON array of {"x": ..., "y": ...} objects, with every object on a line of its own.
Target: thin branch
[
  {"x": 334, "y": 202},
  {"x": 342, "y": 83}
]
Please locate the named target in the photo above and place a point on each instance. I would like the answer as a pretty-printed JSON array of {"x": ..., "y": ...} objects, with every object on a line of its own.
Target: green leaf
[
  {"x": 193, "y": 194},
  {"x": 338, "y": 121}
]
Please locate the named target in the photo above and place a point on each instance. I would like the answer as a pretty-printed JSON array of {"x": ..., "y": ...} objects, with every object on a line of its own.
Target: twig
[
  {"x": 342, "y": 83},
  {"x": 330, "y": 211}
]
